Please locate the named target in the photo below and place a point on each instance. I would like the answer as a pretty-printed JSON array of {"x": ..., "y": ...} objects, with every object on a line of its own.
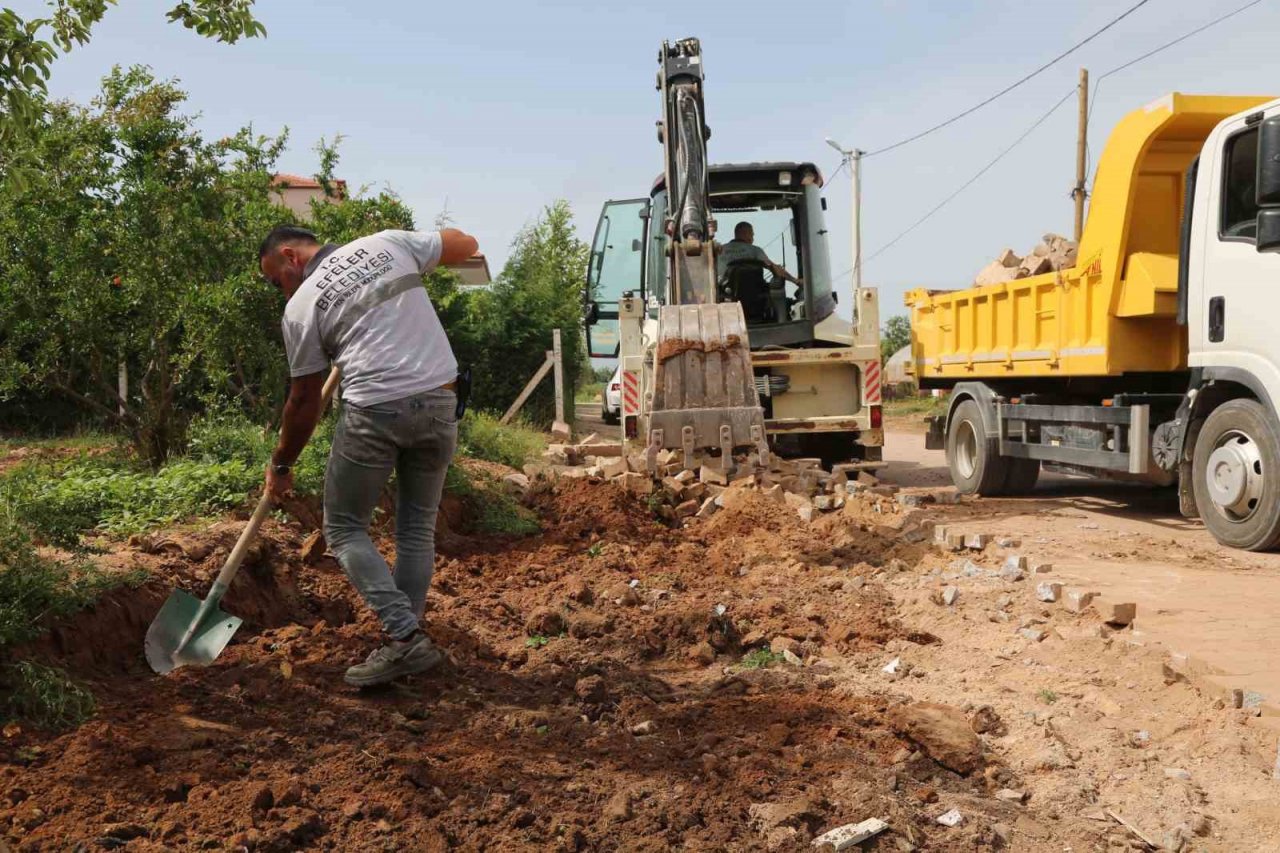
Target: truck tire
[
  {"x": 1022, "y": 476},
  {"x": 976, "y": 466},
  {"x": 1236, "y": 471}
]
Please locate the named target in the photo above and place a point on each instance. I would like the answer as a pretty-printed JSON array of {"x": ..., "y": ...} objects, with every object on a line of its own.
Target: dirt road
[
  {"x": 745, "y": 682},
  {"x": 1218, "y": 605}
]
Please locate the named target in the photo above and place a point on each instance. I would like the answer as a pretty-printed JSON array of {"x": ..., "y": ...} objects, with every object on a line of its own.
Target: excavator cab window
[
  {"x": 616, "y": 266},
  {"x": 742, "y": 276}
]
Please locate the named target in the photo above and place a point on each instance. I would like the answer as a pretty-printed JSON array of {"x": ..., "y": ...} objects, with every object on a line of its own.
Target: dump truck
[
  {"x": 717, "y": 355},
  {"x": 1156, "y": 357}
]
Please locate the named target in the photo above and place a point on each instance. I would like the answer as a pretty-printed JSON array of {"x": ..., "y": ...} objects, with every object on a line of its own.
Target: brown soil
[
  {"x": 673, "y": 347},
  {"x": 593, "y": 700}
]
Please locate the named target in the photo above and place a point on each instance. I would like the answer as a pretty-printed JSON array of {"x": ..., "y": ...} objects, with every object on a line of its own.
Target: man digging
[{"x": 363, "y": 307}]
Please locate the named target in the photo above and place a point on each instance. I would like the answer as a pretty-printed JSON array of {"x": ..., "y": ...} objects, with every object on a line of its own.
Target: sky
[{"x": 492, "y": 110}]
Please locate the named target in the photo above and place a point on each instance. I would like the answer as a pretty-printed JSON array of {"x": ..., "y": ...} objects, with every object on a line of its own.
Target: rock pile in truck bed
[
  {"x": 1054, "y": 252},
  {"x": 677, "y": 493}
]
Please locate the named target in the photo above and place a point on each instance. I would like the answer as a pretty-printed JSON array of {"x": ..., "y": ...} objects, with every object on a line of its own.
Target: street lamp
[{"x": 853, "y": 157}]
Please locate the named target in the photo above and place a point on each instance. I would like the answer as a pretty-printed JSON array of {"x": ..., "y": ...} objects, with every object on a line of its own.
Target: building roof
[{"x": 286, "y": 180}]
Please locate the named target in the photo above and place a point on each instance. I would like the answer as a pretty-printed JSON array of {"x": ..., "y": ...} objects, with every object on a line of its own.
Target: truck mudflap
[{"x": 704, "y": 395}]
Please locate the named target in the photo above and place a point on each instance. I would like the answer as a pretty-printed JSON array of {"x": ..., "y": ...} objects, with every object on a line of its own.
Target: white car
[{"x": 611, "y": 405}]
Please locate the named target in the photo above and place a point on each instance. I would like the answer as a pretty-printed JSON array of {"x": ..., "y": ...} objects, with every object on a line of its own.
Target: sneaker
[{"x": 398, "y": 658}]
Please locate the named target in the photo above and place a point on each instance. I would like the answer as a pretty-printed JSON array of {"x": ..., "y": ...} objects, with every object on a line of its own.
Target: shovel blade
[{"x": 171, "y": 625}]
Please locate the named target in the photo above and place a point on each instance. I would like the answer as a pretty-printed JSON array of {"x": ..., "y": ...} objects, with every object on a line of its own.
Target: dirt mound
[{"x": 594, "y": 692}]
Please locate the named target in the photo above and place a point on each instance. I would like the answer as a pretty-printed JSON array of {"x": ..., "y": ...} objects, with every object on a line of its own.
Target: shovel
[{"x": 190, "y": 631}]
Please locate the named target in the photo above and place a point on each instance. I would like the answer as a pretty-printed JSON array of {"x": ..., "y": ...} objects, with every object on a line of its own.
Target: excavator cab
[{"x": 783, "y": 203}]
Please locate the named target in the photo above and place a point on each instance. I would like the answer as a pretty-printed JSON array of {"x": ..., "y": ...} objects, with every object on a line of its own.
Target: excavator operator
[{"x": 742, "y": 248}]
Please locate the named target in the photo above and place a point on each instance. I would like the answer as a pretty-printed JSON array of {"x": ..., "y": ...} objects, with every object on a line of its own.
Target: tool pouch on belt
[{"x": 463, "y": 390}]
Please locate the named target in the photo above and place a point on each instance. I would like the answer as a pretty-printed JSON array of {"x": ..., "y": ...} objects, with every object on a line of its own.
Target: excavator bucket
[{"x": 704, "y": 395}]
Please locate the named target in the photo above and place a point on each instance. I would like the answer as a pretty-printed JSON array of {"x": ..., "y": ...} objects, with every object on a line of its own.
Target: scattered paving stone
[
  {"x": 949, "y": 595},
  {"x": 851, "y": 834},
  {"x": 1003, "y": 832},
  {"x": 1006, "y": 542},
  {"x": 976, "y": 541},
  {"x": 1041, "y": 568},
  {"x": 1011, "y": 572},
  {"x": 791, "y": 657},
  {"x": 1009, "y": 795},
  {"x": 1078, "y": 600},
  {"x": 951, "y": 818},
  {"x": 892, "y": 666},
  {"x": 646, "y": 727},
  {"x": 1119, "y": 613},
  {"x": 971, "y": 569},
  {"x": 1035, "y": 635},
  {"x": 1177, "y": 773},
  {"x": 1048, "y": 591}
]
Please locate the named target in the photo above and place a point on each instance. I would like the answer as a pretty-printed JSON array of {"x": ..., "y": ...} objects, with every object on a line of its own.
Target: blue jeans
[{"x": 416, "y": 437}]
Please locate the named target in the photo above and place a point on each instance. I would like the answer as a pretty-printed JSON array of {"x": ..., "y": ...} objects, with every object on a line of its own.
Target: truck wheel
[
  {"x": 976, "y": 468},
  {"x": 1237, "y": 475},
  {"x": 1022, "y": 476}
]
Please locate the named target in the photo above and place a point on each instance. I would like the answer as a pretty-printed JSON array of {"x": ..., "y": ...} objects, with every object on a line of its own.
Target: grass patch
[
  {"x": 536, "y": 641},
  {"x": 480, "y": 436},
  {"x": 759, "y": 659},
  {"x": 60, "y": 502},
  {"x": 915, "y": 406},
  {"x": 33, "y": 587},
  {"x": 46, "y": 697},
  {"x": 490, "y": 508},
  {"x": 1047, "y": 696}
]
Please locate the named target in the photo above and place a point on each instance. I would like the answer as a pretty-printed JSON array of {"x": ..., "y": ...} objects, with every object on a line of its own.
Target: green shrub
[
  {"x": 759, "y": 659},
  {"x": 224, "y": 432},
  {"x": 59, "y": 502},
  {"x": 480, "y": 436},
  {"x": 491, "y": 509},
  {"x": 46, "y": 696}
]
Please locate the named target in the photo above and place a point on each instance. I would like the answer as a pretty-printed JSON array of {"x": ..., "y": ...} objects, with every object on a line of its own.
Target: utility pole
[
  {"x": 853, "y": 158},
  {"x": 1082, "y": 139}
]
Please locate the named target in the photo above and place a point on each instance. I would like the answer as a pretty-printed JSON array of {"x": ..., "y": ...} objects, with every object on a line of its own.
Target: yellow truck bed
[{"x": 1114, "y": 312}]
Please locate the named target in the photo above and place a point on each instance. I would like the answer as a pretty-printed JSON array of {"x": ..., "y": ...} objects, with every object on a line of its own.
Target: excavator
[{"x": 715, "y": 356}]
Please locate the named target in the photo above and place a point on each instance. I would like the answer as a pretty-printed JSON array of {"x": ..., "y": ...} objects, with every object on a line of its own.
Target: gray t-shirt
[
  {"x": 738, "y": 250},
  {"x": 363, "y": 306}
]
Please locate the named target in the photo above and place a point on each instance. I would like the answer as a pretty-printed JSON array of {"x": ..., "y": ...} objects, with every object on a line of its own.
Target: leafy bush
[
  {"x": 480, "y": 436},
  {"x": 46, "y": 696},
  {"x": 492, "y": 510}
]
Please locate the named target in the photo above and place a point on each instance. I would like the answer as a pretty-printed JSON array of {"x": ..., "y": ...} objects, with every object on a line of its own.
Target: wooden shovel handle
[{"x": 247, "y": 535}]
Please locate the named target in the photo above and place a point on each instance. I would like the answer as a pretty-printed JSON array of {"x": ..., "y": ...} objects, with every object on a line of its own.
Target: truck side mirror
[
  {"x": 1268, "y": 186},
  {"x": 1268, "y": 239},
  {"x": 635, "y": 245},
  {"x": 592, "y": 313},
  {"x": 1269, "y": 163}
]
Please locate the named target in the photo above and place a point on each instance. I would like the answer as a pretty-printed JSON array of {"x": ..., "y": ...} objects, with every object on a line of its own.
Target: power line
[
  {"x": 965, "y": 185},
  {"x": 1014, "y": 85},
  {"x": 1093, "y": 98}
]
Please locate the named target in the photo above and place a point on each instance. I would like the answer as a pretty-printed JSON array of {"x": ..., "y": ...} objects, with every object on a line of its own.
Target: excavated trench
[{"x": 594, "y": 698}]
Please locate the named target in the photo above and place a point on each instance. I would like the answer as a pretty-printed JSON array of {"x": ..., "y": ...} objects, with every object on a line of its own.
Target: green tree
[
  {"x": 135, "y": 243},
  {"x": 894, "y": 335},
  {"x": 29, "y": 47},
  {"x": 508, "y": 328}
]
